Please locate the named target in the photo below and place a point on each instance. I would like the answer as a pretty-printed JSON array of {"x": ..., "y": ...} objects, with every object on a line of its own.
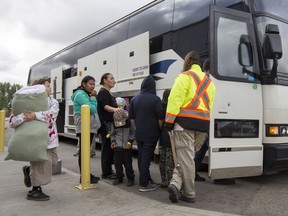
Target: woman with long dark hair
[
  {"x": 107, "y": 106},
  {"x": 85, "y": 94}
]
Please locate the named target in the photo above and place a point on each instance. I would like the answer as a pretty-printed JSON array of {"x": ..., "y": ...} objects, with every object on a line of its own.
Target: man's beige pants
[{"x": 186, "y": 143}]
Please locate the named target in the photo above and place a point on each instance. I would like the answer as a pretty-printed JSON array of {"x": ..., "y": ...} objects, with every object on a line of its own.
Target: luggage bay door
[
  {"x": 106, "y": 62},
  {"x": 236, "y": 121},
  {"x": 133, "y": 63}
]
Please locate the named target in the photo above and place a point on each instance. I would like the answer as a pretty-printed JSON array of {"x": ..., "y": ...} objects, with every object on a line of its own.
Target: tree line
[{"x": 6, "y": 94}]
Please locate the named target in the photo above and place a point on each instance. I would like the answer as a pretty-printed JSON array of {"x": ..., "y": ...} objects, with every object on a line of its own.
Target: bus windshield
[
  {"x": 273, "y": 10},
  {"x": 277, "y": 9},
  {"x": 283, "y": 30}
]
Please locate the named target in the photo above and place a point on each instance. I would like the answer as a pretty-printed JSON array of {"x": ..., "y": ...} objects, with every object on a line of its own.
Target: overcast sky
[{"x": 31, "y": 30}]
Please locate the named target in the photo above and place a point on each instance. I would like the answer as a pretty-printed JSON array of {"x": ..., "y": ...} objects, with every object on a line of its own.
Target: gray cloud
[
  {"x": 70, "y": 20},
  {"x": 34, "y": 29},
  {"x": 7, "y": 60}
]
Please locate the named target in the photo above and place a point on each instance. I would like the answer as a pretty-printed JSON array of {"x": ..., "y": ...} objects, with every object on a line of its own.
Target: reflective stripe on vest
[
  {"x": 200, "y": 114},
  {"x": 170, "y": 118},
  {"x": 191, "y": 110}
]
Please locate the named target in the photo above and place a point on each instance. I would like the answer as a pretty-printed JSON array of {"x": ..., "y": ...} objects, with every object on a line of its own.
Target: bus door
[
  {"x": 235, "y": 136},
  {"x": 56, "y": 83}
]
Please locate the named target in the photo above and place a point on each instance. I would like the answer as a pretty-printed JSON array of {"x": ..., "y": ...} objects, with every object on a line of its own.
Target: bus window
[
  {"x": 283, "y": 29},
  {"x": 157, "y": 20},
  {"x": 229, "y": 33},
  {"x": 113, "y": 35}
]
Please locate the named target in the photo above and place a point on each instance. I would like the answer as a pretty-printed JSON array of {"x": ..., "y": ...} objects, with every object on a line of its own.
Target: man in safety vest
[{"x": 188, "y": 114}]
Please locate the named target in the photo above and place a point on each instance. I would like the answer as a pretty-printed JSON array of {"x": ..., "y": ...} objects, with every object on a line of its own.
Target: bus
[{"x": 247, "y": 43}]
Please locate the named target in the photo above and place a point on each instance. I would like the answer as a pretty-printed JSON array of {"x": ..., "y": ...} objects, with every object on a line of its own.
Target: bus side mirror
[
  {"x": 272, "y": 45},
  {"x": 245, "y": 56}
]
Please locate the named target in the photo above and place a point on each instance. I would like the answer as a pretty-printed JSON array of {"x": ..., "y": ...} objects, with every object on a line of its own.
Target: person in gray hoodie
[
  {"x": 122, "y": 137},
  {"x": 85, "y": 94},
  {"x": 145, "y": 113}
]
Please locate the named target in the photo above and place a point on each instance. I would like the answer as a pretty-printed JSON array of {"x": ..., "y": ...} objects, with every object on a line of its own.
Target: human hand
[
  {"x": 119, "y": 110},
  {"x": 29, "y": 116},
  {"x": 129, "y": 144},
  {"x": 94, "y": 93},
  {"x": 169, "y": 126},
  {"x": 113, "y": 144}
]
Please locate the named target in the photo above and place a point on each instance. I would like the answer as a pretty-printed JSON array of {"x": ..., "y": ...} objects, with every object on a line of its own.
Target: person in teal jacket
[{"x": 85, "y": 94}]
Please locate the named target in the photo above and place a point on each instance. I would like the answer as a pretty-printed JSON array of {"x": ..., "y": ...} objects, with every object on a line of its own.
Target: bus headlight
[
  {"x": 276, "y": 130},
  {"x": 284, "y": 130}
]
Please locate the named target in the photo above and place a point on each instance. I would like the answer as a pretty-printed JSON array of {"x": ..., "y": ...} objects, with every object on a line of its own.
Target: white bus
[{"x": 247, "y": 43}]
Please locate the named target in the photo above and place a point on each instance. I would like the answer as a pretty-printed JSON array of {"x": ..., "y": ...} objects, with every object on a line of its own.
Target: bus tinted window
[
  {"x": 193, "y": 37},
  {"x": 161, "y": 43},
  {"x": 279, "y": 9},
  {"x": 157, "y": 20},
  {"x": 283, "y": 31},
  {"x": 87, "y": 47},
  {"x": 68, "y": 58},
  {"x": 233, "y": 4},
  {"x": 113, "y": 35},
  {"x": 187, "y": 12}
]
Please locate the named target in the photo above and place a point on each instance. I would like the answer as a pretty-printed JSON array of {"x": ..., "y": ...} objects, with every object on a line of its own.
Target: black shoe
[
  {"x": 93, "y": 179},
  {"x": 174, "y": 193},
  {"x": 130, "y": 183},
  {"x": 117, "y": 181},
  {"x": 203, "y": 167},
  {"x": 110, "y": 176},
  {"x": 199, "y": 178},
  {"x": 37, "y": 195},
  {"x": 76, "y": 154},
  {"x": 224, "y": 181},
  {"x": 26, "y": 172},
  {"x": 186, "y": 199},
  {"x": 153, "y": 182}
]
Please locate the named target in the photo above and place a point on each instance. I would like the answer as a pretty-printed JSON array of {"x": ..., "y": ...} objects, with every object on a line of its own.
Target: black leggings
[
  {"x": 107, "y": 155},
  {"x": 79, "y": 157}
]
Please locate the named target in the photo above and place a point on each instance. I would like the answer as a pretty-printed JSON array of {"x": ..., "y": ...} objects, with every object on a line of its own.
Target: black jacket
[{"x": 146, "y": 109}]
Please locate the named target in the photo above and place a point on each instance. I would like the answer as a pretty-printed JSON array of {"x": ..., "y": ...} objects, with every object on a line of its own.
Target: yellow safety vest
[{"x": 191, "y": 100}]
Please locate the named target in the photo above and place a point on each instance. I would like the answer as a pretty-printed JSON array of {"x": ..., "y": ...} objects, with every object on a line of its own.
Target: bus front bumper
[{"x": 275, "y": 158}]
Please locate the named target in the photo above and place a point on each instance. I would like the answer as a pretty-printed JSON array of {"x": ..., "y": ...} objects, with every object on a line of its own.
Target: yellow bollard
[
  {"x": 2, "y": 129},
  {"x": 85, "y": 149}
]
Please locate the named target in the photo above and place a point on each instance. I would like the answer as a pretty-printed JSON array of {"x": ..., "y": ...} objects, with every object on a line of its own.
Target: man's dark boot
[{"x": 199, "y": 178}]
